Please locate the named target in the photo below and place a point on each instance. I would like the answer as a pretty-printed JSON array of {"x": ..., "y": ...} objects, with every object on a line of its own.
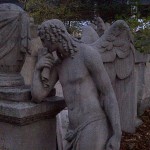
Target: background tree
[{"x": 75, "y": 12}]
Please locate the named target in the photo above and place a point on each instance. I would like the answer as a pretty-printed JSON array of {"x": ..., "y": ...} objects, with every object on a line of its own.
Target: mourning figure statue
[{"x": 94, "y": 122}]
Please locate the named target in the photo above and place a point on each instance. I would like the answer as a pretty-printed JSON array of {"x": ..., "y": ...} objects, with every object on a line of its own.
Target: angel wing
[
  {"x": 116, "y": 47},
  {"x": 100, "y": 25},
  {"x": 94, "y": 30},
  {"x": 89, "y": 35}
]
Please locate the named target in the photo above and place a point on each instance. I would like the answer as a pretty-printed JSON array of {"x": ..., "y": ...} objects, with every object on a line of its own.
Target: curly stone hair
[{"x": 55, "y": 31}]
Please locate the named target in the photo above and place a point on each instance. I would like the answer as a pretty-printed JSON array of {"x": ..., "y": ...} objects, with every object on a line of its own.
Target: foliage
[
  {"x": 44, "y": 9},
  {"x": 140, "y": 29},
  {"x": 72, "y": 12},
  {"x": 75, "y": 9},
  {"x": 142, "y": 40}
]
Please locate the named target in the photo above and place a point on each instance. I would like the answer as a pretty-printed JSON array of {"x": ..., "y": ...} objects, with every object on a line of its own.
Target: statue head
[
  {"x": 118, "y": 28},
  {"x": 54, "y": 32}
]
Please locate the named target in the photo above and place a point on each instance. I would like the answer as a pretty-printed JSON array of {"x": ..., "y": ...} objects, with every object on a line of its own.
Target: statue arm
[
  {"x": 96, "y": 68},
  {"x": 38, "y": 89}
]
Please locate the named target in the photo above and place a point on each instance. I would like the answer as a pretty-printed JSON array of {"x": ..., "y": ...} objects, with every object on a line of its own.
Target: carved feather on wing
[
  {"x": 124, "y": 67},
  {"x": 116, "y": 46},
  {"x": 108, "y": 56}
]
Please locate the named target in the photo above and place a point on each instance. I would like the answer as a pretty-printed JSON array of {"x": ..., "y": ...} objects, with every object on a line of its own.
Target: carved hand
[
  {"x": 46, "y": 60},
  {"x": 113, "y": 143}
]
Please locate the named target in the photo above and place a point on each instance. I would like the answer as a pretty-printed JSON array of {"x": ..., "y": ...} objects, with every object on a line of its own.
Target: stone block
[
  {"x": 29, "y": 126},
  {"x": 36, "y": 136}
]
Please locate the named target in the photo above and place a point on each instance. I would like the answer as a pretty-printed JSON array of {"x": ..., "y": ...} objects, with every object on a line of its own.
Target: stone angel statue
[{"x": 117, "y": 52}]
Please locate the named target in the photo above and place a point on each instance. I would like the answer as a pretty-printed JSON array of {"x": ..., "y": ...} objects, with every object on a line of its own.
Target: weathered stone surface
[
  {"x": 16, "y": 93},
  {"x": 141, "y": 69},
  {"x": 99, "y": 25},
  {"x": 28, "y": 69},
  {"x": 117, "y": 52},
  {"x": 83, "y": 78},
  {"x": 22, "y": 113},
  {"x": 142, "y": 81},
  {"x": 141, "y": 57},
  {"x": 59, "y": 91},
  {"x": 15, "y": 37},
  {"x": 87, "y": 32},
  {"x": 8, "y": 80},
  {"x": 29, "y": 126},
  {"x": 141, "y": 85},
  {"x": 144, "y": 87},
  {"x": 30, "y": 61},
  {"x": 14, "y": 44},
  {"x": 147, "y": 81},
  {"x": 39, "y": 135},
  {"x": 62, "y": 126}
]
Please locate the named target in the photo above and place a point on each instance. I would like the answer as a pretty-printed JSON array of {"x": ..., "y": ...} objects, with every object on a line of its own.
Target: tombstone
[{"x": 24, "y": 124}]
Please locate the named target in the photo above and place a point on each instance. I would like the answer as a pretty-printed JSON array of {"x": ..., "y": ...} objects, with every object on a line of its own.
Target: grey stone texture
[
  {"x": 93, "y": 122},
  {"x": 142, "y": 69},
  {"x": 61, "y": 128},
  {"x": 15, "y": 37},
  {"x": 14, "y": 44},
  {"x": 129, "y": 90},
  {"x": 98, "y": 25},
  {"x": 29, "y": 126},
  {"x": 30, "y": 61},
  {"x": 117, "y": 52},
  {"x": 24, "y": 125},
  {"x": 39, "y": 135},
  {"x": 87, "y": 31},
  {"x": 138, "y": 83},
  {"x": 140, "y": 59}
]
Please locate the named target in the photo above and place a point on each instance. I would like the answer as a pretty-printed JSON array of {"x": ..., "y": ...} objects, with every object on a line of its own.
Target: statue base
[
  {"x": 21, "y": 93},
  {"x": 29, "y": 126},
  {"x": 11, "y": 80},
  {"x": 12, "y": 87}
]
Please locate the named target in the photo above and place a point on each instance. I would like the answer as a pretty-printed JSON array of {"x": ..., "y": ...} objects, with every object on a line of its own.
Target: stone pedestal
[
  {"x": 29, "y": 126},
  {"x": 12, "y": 88}
]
